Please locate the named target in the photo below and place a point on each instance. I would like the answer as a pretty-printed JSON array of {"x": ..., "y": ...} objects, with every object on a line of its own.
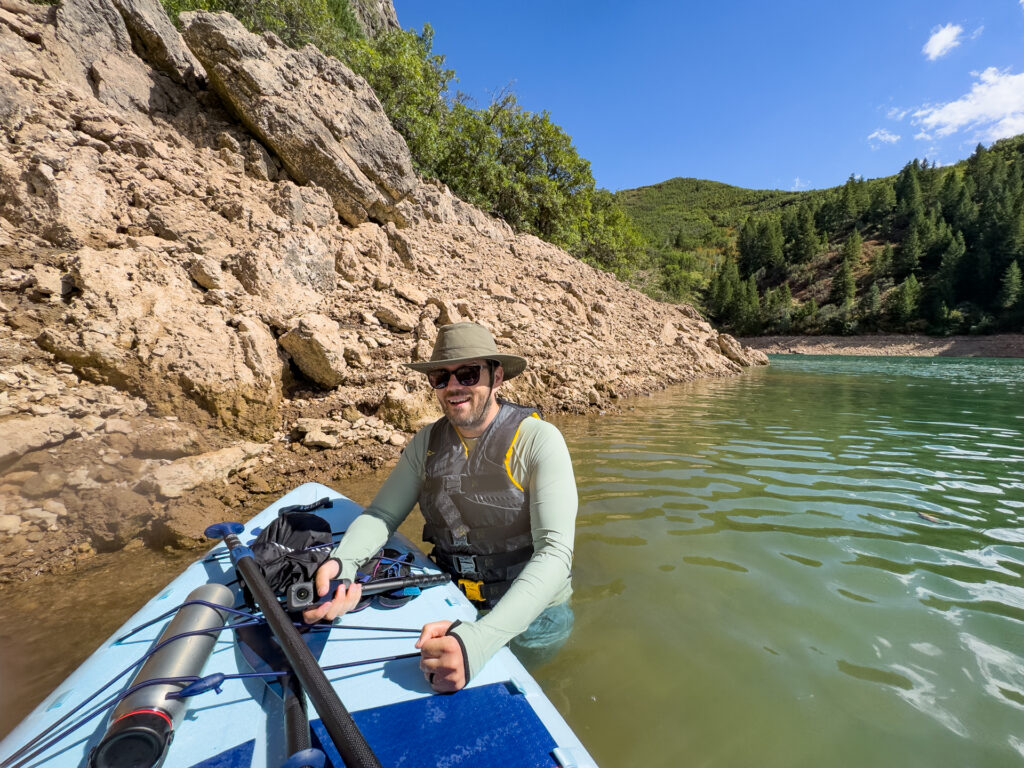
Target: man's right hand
[{"x": 343, "y": 600}]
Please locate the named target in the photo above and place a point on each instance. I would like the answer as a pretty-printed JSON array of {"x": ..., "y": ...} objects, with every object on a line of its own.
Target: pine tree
[
  {"x": 724, "y": 289},
  {"x": 747, "y": 246},
  {"x": 909, "y": 200},
  {"x": 882, "y": 204},
  {"x": 882, "y": 266},
  {"x": 770, "y": 235},
  {"x": 843, "y": 286},
  {"x": 908, "y": 260},
  {"x": 851, "y": 200},
  {"x": 852, "y": 248},
  {"x": 749, "y": 320},
  {"x": 807, "y": 242},
  {"x": 1010, "y": 288},
  {"x": 905, "y": 299},
  {"x": 871, "y": 306}
]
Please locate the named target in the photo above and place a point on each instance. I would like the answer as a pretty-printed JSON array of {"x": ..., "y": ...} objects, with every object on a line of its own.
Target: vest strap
[
  {"x": 447, "y": 538},
  {"x": 476, "y": 565}
]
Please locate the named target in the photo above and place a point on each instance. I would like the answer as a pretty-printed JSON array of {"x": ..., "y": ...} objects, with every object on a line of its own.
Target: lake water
[{"x": 815, "y": 564}]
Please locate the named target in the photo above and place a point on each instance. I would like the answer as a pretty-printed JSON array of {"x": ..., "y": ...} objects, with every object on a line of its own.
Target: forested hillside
[{"x": 935, "y": 249}]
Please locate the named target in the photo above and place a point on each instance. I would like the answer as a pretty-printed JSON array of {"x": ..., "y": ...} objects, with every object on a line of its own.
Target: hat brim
[{"x": 511, "y": 365}]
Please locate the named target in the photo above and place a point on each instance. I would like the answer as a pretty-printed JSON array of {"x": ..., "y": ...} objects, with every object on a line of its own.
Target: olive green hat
[{"x": 462, "y": 342}]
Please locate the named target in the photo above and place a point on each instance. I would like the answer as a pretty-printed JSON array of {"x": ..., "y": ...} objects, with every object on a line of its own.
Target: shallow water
[{"x": 816, "y": 564}]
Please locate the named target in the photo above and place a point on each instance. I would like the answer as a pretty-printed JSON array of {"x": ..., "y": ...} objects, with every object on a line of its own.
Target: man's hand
[
  {"x": 343, "y": 601},
  {"x": 441, "y": 658}
]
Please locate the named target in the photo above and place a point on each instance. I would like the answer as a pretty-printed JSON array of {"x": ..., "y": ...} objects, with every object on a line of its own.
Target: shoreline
[{"x": 1007, "y": 345}]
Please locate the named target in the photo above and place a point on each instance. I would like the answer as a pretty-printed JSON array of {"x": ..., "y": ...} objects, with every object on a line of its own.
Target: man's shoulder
[{"x": 540, "y": 433}]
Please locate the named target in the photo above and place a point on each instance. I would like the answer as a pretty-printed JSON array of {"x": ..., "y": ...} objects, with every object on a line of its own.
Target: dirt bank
[{"x": 892, "y": 345}]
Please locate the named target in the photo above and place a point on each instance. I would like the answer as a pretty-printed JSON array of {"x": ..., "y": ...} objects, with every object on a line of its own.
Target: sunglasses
[{"x": 467, "y": 376}]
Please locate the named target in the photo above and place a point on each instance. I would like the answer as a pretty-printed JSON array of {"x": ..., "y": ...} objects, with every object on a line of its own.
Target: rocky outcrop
[
  {"x": 190, "y": 260},
  {"x": 740, "y": 354},
  {"x": 375, "y": 16},
  {"x": 158, "y": 43},
  {"x": 173, "y": 480},
  {"x": 136, "y": 324},
  {"x": 322, "y": 120}
]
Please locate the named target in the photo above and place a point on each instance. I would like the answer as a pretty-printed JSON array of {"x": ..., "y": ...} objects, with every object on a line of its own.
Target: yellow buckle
[{"x": 471, "y": 589}]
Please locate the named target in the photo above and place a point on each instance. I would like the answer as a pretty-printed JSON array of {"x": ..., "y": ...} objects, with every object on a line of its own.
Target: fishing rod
[{"x": 339, "y": 724}]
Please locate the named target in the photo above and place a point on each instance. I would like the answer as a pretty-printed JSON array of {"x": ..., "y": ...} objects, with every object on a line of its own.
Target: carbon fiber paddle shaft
[{"x": 336, "y": 719}]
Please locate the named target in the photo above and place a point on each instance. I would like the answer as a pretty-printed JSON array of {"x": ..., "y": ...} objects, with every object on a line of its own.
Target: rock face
[
  {"x": 212, "y": 238},
  {"x": 322, "y": 120},
  {"x": 375, "y": 16}
]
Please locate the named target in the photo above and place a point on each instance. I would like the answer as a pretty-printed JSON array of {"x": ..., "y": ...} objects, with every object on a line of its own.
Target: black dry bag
[{"x": 292, "y": 547}]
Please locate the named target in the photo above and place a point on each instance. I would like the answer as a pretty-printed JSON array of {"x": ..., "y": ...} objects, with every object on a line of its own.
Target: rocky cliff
[{"x": 214, "y": 257}]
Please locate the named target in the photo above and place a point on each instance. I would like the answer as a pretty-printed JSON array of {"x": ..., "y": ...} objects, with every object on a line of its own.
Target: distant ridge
[{"x": 938, "y": 249}]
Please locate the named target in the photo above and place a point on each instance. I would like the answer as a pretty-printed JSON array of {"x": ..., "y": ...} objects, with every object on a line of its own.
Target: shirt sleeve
[
  {"x": 392, "y": 504},
  {"x": 540, "y": 463}
]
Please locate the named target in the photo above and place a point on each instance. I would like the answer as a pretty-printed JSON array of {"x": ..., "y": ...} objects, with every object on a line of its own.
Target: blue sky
[{"x": 782, "y": 95}]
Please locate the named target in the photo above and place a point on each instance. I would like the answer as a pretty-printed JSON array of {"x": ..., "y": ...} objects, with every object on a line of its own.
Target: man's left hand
[{"x": 441, "y": 658}]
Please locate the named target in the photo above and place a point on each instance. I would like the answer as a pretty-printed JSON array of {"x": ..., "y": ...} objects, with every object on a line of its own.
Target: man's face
[{"x": 470, "y": 408}]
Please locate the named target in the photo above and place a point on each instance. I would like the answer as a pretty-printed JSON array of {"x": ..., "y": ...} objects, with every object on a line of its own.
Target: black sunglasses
[{"x": 466, "y": 375}]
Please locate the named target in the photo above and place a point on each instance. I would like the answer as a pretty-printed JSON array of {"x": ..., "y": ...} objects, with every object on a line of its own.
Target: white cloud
[
  {"x": 897, "y": 114},
  {"x": 799, "y": 183},
  {"x": 977, "y": 33},
  {"x": 943, "y": 40},
  {"x": 882, "y": 136},
  {"x": 923, "y": 136},
  {"x": 994, "y": 107}
]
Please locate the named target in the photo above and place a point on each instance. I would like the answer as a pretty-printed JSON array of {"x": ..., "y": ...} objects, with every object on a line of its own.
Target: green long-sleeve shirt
[{"x": 540, "y": 464}]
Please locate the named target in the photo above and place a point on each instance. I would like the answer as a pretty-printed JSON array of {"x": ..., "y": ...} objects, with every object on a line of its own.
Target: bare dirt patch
[{"x": 892, "y": 345}]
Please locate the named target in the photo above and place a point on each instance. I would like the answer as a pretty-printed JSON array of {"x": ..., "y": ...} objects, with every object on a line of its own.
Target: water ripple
[{"x": 836, "y": 531}]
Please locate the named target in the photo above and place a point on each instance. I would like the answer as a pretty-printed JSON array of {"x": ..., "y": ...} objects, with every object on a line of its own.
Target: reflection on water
[{"x": 814, "y": 564}]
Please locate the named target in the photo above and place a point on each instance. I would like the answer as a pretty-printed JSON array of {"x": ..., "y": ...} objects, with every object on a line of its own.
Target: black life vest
[{"x": 477, "y": 517}]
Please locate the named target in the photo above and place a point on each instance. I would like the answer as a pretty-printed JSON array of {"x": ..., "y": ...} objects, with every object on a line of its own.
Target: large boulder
[
  {"x": 322, "y": 120},
  {"x": 739, "y": 354},
  {"x": 20, "y": 435},
  {"x": 92, "y": 48},
  {"x": 156, "y": 40},
  {"x": 316, "y": 347},
  {"x": 173, "y": 480}
]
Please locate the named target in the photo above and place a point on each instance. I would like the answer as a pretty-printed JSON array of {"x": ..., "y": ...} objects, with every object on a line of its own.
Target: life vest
[{"x": 477, "y": 516}]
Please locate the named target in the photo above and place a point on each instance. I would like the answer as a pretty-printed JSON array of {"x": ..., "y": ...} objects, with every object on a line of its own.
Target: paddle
[{"x": 336, "y": 719}]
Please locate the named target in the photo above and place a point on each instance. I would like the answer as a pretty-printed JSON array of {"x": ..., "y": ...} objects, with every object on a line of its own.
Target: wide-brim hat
[{"x": 462, "y": 342}]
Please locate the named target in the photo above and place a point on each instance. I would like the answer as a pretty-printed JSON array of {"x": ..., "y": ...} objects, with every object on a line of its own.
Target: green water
[{"x": 817, "y": 564}]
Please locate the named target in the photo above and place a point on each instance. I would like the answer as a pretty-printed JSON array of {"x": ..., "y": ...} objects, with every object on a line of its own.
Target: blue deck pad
[{"x": 479, "y": 727}]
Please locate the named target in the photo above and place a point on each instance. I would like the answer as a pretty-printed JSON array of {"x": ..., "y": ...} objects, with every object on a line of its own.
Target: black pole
[
  {"x": 296, "y": 722},
  {"x": 349, "y": 742}
]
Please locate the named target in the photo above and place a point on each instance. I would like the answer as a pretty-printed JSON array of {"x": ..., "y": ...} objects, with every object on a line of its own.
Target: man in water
[{"x": 496, "y": 488}]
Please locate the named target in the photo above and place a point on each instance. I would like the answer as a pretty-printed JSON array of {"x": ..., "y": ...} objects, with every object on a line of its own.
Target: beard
[{"x": 472, "y": 415}]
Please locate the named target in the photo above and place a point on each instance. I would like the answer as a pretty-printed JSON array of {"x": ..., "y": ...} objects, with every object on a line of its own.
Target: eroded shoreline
[{"x": 892, "y": 345}]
